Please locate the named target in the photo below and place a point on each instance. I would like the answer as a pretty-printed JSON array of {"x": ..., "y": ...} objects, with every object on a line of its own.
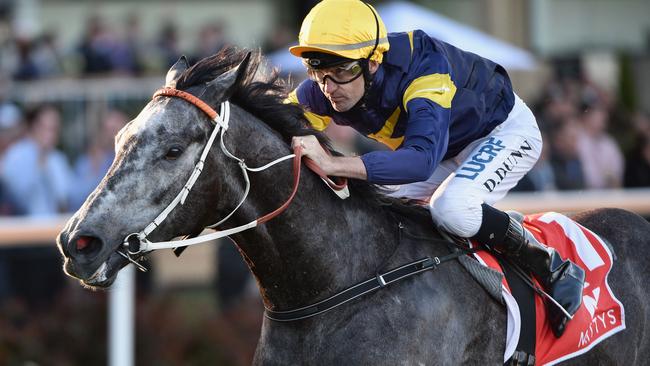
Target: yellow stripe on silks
[
  {"x": 384, "y": 135},
  {"x": 436, "y": 87},
  {"x": 411, "y": 41},
  {"x": 292, "y": 98},
  {"x": 317, "y": 121}
]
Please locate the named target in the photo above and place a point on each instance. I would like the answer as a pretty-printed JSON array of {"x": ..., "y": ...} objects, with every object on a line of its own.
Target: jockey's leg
[
  {"x": 485, "y": 171},
  {"x": 562, "y": 279}
]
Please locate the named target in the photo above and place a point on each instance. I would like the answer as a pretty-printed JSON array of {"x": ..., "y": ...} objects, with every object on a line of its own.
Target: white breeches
[{"x": 483, "y": 172}]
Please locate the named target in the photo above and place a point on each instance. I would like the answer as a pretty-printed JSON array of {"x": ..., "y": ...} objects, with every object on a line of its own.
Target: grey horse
[{"x": 321, "y": 244}]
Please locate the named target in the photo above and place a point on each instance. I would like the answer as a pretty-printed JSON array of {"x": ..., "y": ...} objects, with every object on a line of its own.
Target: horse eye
[{"x": 173, "y": 153}]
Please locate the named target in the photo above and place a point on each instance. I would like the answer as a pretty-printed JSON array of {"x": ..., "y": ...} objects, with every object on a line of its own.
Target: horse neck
[{"x": 319, "y": 245}]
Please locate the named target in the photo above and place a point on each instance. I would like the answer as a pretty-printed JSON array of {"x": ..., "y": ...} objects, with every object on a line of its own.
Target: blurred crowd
[
  {"x": 103, "y": 50},
  {"x": 590, "y": 140},
  {"x": 36, "y": 177}
]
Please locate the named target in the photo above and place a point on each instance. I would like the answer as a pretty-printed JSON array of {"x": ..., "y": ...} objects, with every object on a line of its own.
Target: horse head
[{"x": 155, "y": 153}]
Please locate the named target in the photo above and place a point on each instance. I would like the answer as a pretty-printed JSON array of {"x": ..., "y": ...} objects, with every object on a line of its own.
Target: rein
[{"x": 137, "y": 243}]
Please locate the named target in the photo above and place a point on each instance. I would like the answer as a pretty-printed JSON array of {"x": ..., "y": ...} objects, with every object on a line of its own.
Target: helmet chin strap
[
  {"x": 365, "y": 64},
  {"x": 367, "y": 83}
]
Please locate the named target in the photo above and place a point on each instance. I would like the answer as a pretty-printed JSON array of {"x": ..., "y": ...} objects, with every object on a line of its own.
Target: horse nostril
[
  {"x": 86, "y": 245},
  {"x": 83, "y": 242}
]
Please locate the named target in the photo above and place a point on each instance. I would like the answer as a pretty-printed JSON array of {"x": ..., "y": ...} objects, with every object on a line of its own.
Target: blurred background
[{"x": 73, "y": 72}]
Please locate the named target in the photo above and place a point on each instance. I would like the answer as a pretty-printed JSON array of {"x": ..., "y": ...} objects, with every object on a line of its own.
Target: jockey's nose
[{"x": 329, "y": 85}]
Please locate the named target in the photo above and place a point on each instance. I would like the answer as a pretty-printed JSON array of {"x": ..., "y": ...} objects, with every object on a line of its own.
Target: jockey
[{"x": 461, "y": 137}]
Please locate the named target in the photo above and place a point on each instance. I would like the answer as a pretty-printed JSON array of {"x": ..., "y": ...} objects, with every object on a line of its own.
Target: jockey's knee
[{"x": 458, "y": 215}]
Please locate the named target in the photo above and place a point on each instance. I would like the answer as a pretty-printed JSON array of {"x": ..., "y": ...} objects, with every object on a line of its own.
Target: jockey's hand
[
  {"x": 339, "y": 166},
  {"x": 312, "y": 149}
]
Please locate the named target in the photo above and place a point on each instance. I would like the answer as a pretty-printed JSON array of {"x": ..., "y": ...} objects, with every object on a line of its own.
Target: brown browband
[{"x": 171, "y": 92}]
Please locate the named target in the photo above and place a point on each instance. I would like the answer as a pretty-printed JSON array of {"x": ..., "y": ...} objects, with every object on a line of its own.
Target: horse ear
[
  {"x": 175, "y": 72},
  {"x": 222, "y": 87}
]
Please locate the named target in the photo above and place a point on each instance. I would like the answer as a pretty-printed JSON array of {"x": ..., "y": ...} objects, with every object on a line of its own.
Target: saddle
[{"x": 530, "y": 340}]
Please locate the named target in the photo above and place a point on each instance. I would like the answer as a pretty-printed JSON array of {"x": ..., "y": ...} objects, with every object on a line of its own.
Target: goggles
[{"x": 341, "y": 74}]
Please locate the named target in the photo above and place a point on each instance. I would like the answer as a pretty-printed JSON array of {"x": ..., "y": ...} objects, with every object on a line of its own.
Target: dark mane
[
  {"x": 260, "y": 95},
  {"x": 264, "y": 96}
]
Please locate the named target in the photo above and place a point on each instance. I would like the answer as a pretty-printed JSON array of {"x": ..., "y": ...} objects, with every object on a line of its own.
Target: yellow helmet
[{"x": 346, "y": 28}]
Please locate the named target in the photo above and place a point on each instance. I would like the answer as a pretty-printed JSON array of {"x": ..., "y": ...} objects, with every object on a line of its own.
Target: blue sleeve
[
  {"x": 425, "y": 143},
  {"x": 427, "y": 94}
]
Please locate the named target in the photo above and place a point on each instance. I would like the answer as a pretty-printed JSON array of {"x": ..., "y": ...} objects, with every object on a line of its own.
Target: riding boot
[{"x": 562, "y": 279}]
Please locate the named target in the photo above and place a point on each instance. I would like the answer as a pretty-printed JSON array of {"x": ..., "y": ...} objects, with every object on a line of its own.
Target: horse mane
[{"x": 264, "y": 95}]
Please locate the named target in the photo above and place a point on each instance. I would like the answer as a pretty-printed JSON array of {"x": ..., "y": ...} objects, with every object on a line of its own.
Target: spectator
[
  {"x": 637, "y": 166},
  {"x": 91, "y": 166},
  {"x": 567, "y": 167},
  {"x": 641, "y": 124},
  {"x": 26, "y": 68},
  {"x": 211, "y": 40},
  {"x": 557, "y": 106},
  {"x": 278, "y": 39},
  {"x": 46, "y": 56},
  {"x": 10, "y": 130},
  {"x": 96, "y": 47},
  {"x": 125, "y": 57},
  {"x": 11, "y": 126},
  {"x": 167, "y": 44},
  {"x": 602, "y": 160},
  {"x": 36, "y": 175}
]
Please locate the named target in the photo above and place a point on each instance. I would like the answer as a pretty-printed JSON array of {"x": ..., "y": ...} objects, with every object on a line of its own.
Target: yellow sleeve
[
  {"x": 317, "y": 121},
  {"x": 436, "y": 87},
  {"x": 292, "y": 98}
]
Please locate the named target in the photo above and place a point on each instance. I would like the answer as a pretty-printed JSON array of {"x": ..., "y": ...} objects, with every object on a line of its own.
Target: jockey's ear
[
  {"x": 175, "y": 72},
  {"x": 373, "y": 66},
  {"x": 222, "y": 87}
]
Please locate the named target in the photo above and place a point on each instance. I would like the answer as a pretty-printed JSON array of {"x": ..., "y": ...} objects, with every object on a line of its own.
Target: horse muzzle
[{"x": 88, "y": 259}]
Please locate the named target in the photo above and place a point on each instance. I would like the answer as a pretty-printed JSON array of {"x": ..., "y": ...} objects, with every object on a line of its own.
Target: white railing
[
  {"x": 30, "y": 232},
  {"x": 34, "y": 231},
  {"x": 635, "y": 200}
]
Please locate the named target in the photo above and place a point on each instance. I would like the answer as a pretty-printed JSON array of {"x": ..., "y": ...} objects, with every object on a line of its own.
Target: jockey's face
[{"x": 345, "y": 96}]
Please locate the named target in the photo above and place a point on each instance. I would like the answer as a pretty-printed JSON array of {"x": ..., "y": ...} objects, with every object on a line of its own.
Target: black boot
[{"x": 562, "y": 279}]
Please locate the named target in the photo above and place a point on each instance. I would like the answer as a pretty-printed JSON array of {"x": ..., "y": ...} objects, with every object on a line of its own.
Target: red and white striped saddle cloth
[{"x": 601, "y": 314}]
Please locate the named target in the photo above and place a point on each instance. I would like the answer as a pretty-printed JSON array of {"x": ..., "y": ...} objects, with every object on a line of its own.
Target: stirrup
[{"x": 516, "y": 215}]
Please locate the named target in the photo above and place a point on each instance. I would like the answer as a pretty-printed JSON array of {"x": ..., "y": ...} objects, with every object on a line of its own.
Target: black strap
[
  {"x": 525, "y": 296},
  {"x": 362, "y": 288}
]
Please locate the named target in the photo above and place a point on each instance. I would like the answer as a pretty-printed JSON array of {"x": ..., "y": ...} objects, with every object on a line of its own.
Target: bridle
[{"x": 136, "y": 244}]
